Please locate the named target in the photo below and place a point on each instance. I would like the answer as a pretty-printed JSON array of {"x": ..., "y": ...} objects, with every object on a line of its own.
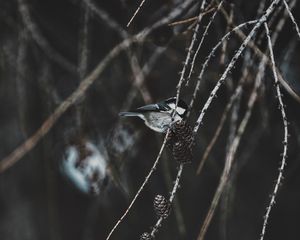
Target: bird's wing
[
  {"x": 148, "y": 108},
  {"x": 129, "y": 114}
]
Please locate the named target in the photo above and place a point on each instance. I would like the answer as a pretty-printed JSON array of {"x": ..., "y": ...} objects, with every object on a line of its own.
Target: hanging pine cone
[
  {"x": 181, "y": 141},
  {"x": 171, "y": 140},
  {"x": 182, "y": 153},
  {"x": 161, "y": 206},
  {"x": 145, "y": 236}
]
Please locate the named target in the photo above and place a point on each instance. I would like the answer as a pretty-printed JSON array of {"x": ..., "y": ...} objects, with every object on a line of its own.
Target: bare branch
[
  {"x": 233, "y": 98},
  {"x": 136, "y": 12},
  {"x": 189, "y": 54},
  {"x": 192, "y": 18},
  {"x": 257, "y": 51},
  {"x": 30, "y": 143},
  {"x": 171, "y": 198},
  {"x": 292, "y": 18},
  {"x": 41, "y": 41},
  {"x": 285, "y": 140},
  {"x": 229, "y": 160},
  {"x": 209, "y": 57},
  {"x": 202, "y": 39},
  {"x": 141, "y": 187}
]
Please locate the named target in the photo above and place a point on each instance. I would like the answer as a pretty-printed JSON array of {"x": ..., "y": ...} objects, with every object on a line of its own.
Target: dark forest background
[{"x": 48, "y": 47}]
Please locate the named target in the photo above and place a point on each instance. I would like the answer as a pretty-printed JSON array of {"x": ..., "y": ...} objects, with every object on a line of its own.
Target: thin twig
[
  {"x": 209, "y": 57},
  {"x": 261, "y": 7},
  {"x": 132, "y": 93},
  {"x": 229, "y": 160},
  {"x": 292, "y": 17},
  {"x": 165, "y": 20},
  {"x": 226, "y": 200},
  {"x": 30, "y": 143},
  {"x": 139, "y": 79},
  {"x": 191, "y": 19},
  {"x": 233, "y": 98},
  {"x": 172, "y": 15},
  {"x": 202, "y": 40},
  {"x": 109, "y": 21},
  {"x": 141, "y": 187},
  {"x": 83, "y": 55},
  {"x": 136, "y": 12},
  {"x": 285, "y": 140},
  {"x": 225, "y": 43},
  {"x": 158, "y": 224},
  {"x": 257, "y": 51},
  {"x": 41, "y": 40},
  {"x": 233, "y": 61},
  {"x": 189, "y": 54},
  {"x": 83, "y": 51},
  {"x": 135, "y": 67},
  {"x": 21, "y": 67},
  {"x": 211, "y": 54},
  {"x": 181, "y": 225},
  {"x": 235, "y": 144}
]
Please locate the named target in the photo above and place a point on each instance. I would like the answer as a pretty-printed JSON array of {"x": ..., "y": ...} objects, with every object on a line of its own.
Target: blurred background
[{"x": 80, "y": 177}]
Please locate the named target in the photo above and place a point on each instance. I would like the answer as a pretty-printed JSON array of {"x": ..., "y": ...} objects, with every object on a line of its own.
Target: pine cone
[
  {"x": 171, "y": 140},
  {"x": 145, "y": 236},
  {"x": 182, "y": 153},
  {"x": 184, "y": 132},
  {"x": 161, "y": 206},
  {"x": 181, "y": 141}
]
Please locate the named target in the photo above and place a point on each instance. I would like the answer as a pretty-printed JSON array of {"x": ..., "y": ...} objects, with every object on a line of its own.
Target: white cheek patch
[
  {"x": 172, "y": 106},
  {"x": 179, "y": 110}
]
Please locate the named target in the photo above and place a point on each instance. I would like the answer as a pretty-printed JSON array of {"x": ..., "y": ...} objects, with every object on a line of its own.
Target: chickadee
[{"x": 159, "y": 116}]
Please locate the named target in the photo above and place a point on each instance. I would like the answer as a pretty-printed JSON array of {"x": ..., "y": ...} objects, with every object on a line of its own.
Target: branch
[
  {"x": 141, "y": 187},
  {"x": 233, "y": 98},
  {"x": 257, "y": 51},
  {"x": 209, "y": 57},
  {"x": 136, "y": 12},
  {"x": 171, "y": 198},
  {"x": 30, "y": 143},
  {"x": 202, "y": 39},
  {"x": 292, "y": 17},
  {"x": 41, "y": 41},
  {"x": 229, "y": 160},
  {"x": 285, "y": 140},
  {"x": 192, "y": 18},
  {"x": 135, "y": 67},
  {"x": 109, "y": 21},
  {"x": 236, "y": 142},
  {"x": 189, "y": 53}
]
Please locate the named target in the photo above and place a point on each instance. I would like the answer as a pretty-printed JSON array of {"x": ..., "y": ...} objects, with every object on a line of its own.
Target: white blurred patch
[
  {"x": 86, "y": 171},
  {"x": 179, "y": 110},
  {"x": 122, "y": 139}
]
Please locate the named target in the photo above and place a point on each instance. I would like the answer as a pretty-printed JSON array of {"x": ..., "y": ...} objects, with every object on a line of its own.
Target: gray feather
[{"x": 129, "y": 114}]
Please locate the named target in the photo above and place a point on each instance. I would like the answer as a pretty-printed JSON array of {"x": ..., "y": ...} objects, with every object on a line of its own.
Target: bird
[{"x": 160, "y": 116}]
